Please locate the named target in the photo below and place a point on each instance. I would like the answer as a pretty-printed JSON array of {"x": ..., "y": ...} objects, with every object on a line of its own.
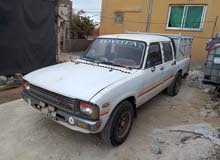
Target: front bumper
[{"x": 62, "y": 117}]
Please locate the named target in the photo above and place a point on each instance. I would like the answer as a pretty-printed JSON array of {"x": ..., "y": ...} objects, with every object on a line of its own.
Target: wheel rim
[
  {"x": 178, "y": 84},
  {"x": 124, "y": 124}
]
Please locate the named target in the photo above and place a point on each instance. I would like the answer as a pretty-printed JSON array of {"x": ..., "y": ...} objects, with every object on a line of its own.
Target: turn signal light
[{"x": 26, "y": 85}]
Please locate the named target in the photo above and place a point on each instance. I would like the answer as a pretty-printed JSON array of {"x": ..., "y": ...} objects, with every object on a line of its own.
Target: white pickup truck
[{"x": 118, "y": 73}]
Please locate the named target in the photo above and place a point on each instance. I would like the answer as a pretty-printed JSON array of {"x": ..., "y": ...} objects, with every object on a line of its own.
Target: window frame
[
  {"x": 162, "y": 61},
  {"x": 184, "y": 18},
  {"x": 163, "y": 53}
]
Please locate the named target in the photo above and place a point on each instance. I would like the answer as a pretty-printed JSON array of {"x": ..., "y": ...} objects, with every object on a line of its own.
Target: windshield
[{"x": 117, "y": 52}]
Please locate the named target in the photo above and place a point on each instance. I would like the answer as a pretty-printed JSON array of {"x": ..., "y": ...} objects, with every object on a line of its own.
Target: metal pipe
[
  {"x": 213, "y": 31},
  {"x": 149, "y": 15}
]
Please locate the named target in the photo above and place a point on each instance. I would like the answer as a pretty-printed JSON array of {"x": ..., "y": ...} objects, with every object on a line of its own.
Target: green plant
[{"x": 80, "y": 24}]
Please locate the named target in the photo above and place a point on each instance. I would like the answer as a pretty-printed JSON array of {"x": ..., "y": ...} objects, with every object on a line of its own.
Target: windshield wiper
[
  {"x": 91, "y": 59},
  {"x": 114, "y": 64}
]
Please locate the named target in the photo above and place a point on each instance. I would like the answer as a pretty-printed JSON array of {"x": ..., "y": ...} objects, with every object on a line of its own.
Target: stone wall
[{"x": 76, "y": 45}]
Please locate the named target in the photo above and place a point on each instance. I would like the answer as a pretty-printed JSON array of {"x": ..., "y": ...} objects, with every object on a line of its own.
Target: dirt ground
[
  {"x": 26, "y": 134},
  {"x": 10, "y": 95}
]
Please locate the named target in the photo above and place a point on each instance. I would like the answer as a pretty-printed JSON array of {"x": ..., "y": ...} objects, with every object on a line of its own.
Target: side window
[
  {"x": 167, "y": 52},
  {"x": 154, "y": 57}
]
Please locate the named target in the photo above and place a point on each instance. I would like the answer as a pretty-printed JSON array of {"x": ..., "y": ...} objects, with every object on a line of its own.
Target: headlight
[
  {"x": 85, "y": 108},
  {"x": 26, "y": 85},
  {"x": 89, "y": 110}
]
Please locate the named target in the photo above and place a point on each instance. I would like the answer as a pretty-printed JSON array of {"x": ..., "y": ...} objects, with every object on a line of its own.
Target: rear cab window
[
  {"x": 167, "y": 51},
  {"x": 154, "y": 57}
]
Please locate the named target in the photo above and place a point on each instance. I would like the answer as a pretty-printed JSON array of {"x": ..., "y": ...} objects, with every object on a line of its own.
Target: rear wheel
[
  {"x": 174, "y": 88},
  {"x": 119, "y": 124}
]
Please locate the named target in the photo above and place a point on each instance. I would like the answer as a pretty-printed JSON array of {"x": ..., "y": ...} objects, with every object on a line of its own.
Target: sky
[{"x": 92, "y": 8}]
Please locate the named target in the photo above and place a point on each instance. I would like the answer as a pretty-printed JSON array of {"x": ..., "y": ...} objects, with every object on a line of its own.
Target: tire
[
  {"x": 174, "y": 88},
  {"x": 119, "y": 124}
]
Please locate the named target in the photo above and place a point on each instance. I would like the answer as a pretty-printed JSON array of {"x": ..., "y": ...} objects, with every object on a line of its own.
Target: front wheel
[
  {"x": 119, "y": 124},
  {"x": 174, "y": 88}
]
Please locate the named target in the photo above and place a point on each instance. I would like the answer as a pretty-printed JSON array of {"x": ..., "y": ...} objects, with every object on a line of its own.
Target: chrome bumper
[{"x": 80, "y": 124}]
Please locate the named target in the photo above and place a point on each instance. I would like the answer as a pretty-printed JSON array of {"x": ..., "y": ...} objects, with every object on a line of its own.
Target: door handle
[
  {"x": 153, "y": 69},
  {"x": 162, "y": 68},
  {"x": 174, "y": 63}
]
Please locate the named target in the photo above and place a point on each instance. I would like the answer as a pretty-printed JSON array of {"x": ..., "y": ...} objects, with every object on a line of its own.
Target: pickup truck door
[
  {"x": 152, "y": 73},
  {"x": 169, "y": 64}
]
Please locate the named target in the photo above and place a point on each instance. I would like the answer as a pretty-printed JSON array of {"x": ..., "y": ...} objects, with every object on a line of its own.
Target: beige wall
[
  {"x": 135, "y": 17},
  {"x": 135, "y": 13}
]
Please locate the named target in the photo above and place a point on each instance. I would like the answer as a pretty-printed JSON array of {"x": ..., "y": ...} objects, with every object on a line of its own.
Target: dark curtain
[
  {"x": 176, "y": 16},
  {"x": 194, "y": 16},
  {"x": 27, "y": 35}
]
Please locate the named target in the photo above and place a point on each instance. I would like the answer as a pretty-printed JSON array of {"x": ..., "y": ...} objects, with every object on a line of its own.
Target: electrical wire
[
  {"x": 87, "y": 11},
  {"x": 132, "y": 21},
  {"x": 95, "y": 15}
]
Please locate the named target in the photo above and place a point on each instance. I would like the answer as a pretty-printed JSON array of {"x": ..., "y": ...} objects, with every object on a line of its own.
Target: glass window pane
[
  {"x": 193, "y": 17},
  {"x": 167, "y": 52},
  {"x": 176, "y": 15},
  {"x": 116, "y": 51},
  {"x": 154, "y": 57}
]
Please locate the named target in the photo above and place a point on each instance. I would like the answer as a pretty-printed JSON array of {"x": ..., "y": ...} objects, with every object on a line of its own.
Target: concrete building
[
  {"x": 198, "y": 18},
  {"x": 65, "y": 11}
]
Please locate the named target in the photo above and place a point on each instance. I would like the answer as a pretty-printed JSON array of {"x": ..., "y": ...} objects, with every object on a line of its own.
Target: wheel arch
[{"x": 132, "y": 100}]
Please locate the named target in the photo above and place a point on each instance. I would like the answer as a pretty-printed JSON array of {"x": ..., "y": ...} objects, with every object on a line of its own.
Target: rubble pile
[
  {"x": 3, "y": 80},
  {"x": 196, "y": 75},
  {"x": 194, "y": 79},
  {"x": 193, "y": 141},
  {"x": 211, "y": 109},
  {"x": 10, "y": 82}
]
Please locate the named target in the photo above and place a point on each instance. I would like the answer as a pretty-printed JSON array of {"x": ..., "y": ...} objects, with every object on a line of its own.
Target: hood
[{"x": 75, "y": 80}]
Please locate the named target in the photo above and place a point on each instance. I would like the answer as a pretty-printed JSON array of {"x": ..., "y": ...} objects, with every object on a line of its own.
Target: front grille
[{"x": 54, "y": 99}]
